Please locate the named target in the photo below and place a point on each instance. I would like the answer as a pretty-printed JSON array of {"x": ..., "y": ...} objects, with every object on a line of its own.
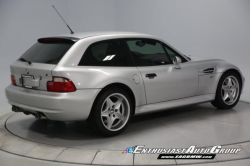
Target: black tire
[
  {"x": 219, "y": 102},
  {"x": 95, "y": 120}
]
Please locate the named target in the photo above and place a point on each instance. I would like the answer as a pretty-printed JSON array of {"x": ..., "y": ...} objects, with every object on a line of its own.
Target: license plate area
[{"x": 29, "y": 81}]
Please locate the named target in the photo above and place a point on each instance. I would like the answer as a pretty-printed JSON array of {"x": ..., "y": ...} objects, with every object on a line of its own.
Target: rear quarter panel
[{"x": 85, "y": 77}]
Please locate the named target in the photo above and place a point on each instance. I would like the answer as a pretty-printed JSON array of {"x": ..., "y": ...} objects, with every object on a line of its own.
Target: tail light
[
  {"x": 13, "y": 80},
  {"x": 60, "y": 84}
]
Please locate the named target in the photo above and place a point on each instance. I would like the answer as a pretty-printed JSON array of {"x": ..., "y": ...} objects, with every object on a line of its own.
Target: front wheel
[
  {"x": 228, "y": 91},
  {"x": 111, "y": 112}
]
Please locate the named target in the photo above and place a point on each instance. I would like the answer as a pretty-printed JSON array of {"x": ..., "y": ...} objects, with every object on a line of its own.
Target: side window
[
  {"x": 172, "y": 54},
  {"x": 147, "y": 52},
  {"x": 105, "y": 53}
]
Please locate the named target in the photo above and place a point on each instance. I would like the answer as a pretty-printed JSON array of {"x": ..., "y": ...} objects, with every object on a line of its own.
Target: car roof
[
  {"x": 81, "y": 35},
  {"x": 118, "y": 34}
]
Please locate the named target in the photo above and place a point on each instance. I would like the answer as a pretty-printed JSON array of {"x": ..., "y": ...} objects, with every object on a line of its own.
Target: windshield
[{"x": 49, "y": 53}]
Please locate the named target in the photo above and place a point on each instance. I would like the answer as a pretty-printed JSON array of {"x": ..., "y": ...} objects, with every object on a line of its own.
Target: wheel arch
[
  {"x": 235, "y": 71},
  {"x": 119, "y": 85},
  {"x": 218, "y": 103}
]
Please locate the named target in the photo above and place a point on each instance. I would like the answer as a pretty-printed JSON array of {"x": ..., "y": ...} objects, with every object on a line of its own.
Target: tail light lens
[
  {"x": 60, "y": 84},
  {"x": 13, "y": 80}
]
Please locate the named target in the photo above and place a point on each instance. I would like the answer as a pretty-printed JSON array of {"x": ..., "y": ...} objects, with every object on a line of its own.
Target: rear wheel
[
  {"x": 111, "y": 112},
  {"x": 228, "y": 91}
]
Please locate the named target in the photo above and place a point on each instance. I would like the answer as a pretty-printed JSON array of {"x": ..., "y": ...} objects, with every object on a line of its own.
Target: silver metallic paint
[
  {"x": 56, "y": 106},
  {"x": 171, "y": 88},
  {"x": 19, "y": 68},
  {"x": 170, "y": 83},
  {"x": 174, "y": 103}
]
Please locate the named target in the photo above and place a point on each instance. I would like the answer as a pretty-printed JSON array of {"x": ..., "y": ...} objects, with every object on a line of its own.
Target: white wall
[
  {"x": 210, "y": 28},
  {"x": 22, "y": 22}
]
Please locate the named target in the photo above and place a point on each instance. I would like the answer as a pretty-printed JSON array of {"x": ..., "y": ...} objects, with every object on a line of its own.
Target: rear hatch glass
[{"x": 47, "y": 50}]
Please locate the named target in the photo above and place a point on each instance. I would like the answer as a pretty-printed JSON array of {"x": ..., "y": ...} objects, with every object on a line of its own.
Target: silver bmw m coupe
[{"x": 107, "y": 77}]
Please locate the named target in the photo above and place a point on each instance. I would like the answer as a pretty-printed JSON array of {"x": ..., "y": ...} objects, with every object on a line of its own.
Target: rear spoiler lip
[{"x": 65, "y": 38}]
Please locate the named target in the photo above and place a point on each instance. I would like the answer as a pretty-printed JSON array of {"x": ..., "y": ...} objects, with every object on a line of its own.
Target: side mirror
[{"x": 177, "y": 62}]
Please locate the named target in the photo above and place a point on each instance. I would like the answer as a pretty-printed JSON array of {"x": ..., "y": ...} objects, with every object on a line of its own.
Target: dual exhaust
[{"x": 37, "y": 115}]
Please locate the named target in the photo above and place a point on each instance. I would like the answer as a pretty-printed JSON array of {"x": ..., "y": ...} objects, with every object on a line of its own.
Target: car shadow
[{"x": 139, "y": 124}]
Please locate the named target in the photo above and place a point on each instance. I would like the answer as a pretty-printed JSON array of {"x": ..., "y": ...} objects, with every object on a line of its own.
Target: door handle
[{"x": 151, "y": 75}]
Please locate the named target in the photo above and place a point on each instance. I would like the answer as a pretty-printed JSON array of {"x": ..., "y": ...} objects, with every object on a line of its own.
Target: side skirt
[{"x": 174, "y": 103}]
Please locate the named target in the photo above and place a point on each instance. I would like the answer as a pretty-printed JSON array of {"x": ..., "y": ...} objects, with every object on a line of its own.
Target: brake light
[
  {"x": 13, "y": 80},
  {"x": 60, "y": 84}
]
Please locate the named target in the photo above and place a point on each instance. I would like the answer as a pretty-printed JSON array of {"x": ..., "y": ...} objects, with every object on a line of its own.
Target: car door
[{"x": 161, "y": 80}]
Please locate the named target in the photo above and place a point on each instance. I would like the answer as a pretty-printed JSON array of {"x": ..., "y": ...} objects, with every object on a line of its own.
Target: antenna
[{"x": 71, "y": 32}]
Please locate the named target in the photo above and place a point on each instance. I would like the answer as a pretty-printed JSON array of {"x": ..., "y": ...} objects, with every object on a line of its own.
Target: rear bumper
[{"x": 56, "y": 106}]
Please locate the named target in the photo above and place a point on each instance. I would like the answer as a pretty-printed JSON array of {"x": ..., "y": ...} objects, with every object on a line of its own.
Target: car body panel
[
  {"x": 171, "y": 88},
  {"x": 174, "y": 103},
  {"x": 87, "y": 77},
  {"x": 170, "y": 83},
  {"x": 56, "y": 106},
  {"x": 208, "y": 79},
  {"x": 41, "y": 72},
  {"x": 221, "y": 66}
]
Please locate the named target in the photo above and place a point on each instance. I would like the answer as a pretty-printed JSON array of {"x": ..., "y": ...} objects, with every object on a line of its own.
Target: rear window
[
  {"x": 106, "y": 53},
  {"x": 48, "y": 52}
]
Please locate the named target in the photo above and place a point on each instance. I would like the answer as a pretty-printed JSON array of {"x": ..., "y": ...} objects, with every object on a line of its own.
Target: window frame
[
  {"x": 171, "y": 49},
  {"x": 123, "y": 44},
  {"x": 160, "y": 42}
]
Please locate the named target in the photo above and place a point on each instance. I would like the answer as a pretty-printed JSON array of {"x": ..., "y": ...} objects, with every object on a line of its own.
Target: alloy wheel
[
  {"x": 115, "y": 112},
  {"x": 230, "y": 90}
]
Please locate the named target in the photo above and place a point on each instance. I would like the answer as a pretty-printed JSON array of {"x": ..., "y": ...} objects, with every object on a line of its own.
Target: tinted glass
[
  {"x": 106, "y": 53},
  {"x": 146, "y": 52},
  {"x": 50, "y": 53},
  {"x": 172, "y": 54}
]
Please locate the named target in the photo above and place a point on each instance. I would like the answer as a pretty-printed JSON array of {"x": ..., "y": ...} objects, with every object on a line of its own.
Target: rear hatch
[{"x": 34, "y": 68}]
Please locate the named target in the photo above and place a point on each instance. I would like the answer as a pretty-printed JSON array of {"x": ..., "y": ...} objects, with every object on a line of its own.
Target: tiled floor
[
  {"x": 200, "y": 125},
  {"x": 7, "y": 159}
]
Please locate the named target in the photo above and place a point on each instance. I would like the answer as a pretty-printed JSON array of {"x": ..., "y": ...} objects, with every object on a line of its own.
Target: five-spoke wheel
[
  {"x": 111, "y": 112},
  {"x": 228, "y": 91},
  {"x": 115, "y": 111}
]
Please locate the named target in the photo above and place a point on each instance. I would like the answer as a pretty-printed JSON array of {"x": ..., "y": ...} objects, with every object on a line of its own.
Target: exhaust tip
[
  {"x": 14, "y": 109},
  {"x": 37, "y": 116}
]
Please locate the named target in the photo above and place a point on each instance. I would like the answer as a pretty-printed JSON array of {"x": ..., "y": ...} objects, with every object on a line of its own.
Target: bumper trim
[{"x": 71, "y": 106}]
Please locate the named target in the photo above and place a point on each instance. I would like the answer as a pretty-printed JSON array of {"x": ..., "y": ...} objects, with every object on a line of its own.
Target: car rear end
[{"x": 35, "y": 90}]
